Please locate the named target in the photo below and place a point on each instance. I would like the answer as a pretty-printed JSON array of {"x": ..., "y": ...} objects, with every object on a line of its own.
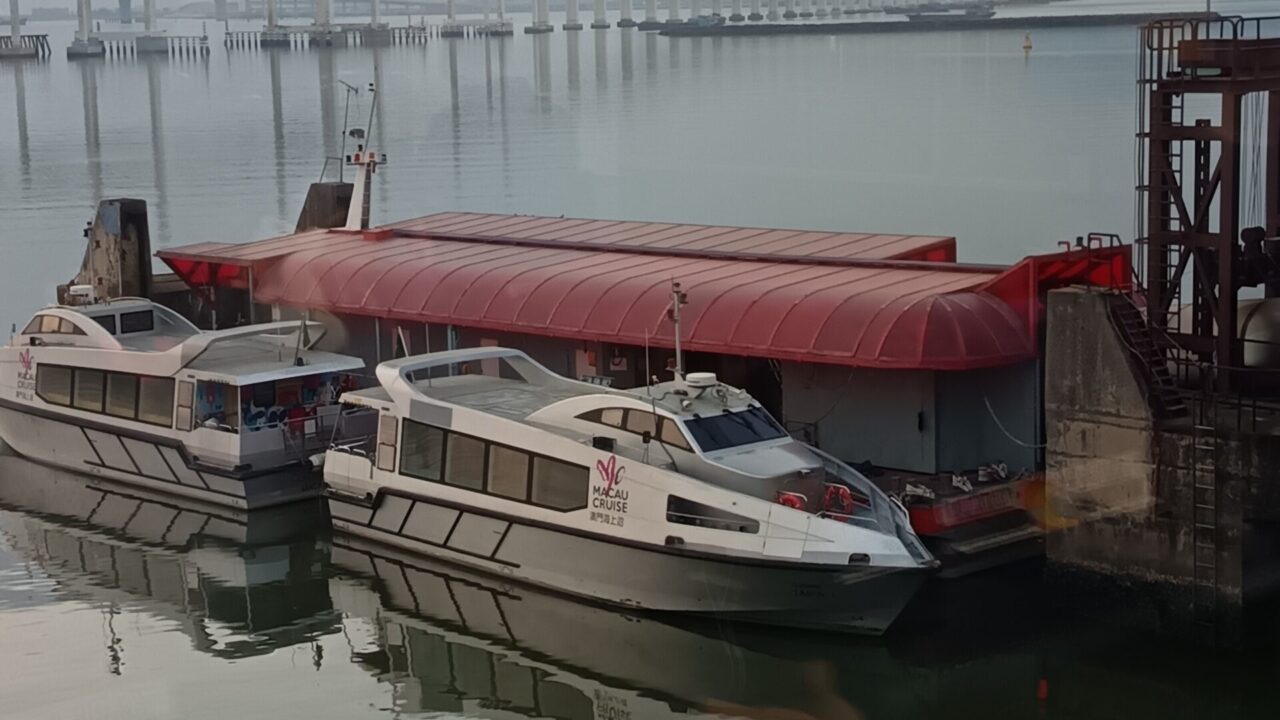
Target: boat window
[
  {"x": 155, "y": 400},
  {"x": 122, "y": 395},
  {"x": 689, "y": 512},
  {"x": 464, "y": 462},
  {"x": 49, "y": 323},
  {"x": 106, "y": 321},
  {"x": 508, "y": 472},
  {"x": 66, "y": 327},
  {"x": 217, "y": 406},
  {"x": 90, "y": 385},
  {"x": 611, "y": 417},
  {"x": 32, "y": 327},
  {"x": 559, "y": 485},
  {"x": 421, "y": 451},
  {"x": 732, "y": 429},
  {"x": 640, "y": 422},
  {"x": 671, "y": 435},
  {"x": 53, "y": 384},
  {"x": 138, "y": 321}
]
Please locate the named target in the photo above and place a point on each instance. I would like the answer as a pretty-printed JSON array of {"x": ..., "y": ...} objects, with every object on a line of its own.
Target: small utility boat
[
  {"x": 684, "y": 496},
  {"x": 131, "y": 391}
]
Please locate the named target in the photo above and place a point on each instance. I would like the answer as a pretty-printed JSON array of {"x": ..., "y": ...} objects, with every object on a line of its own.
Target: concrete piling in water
[
  {"x": 599, "y": 21},
  {"x": 736, "y": 14},
  {"x": 673, "y": 12},
  {"x": 790, "y": 12},
  {"x": 625, "y": 20},
  {"x": 571, "y": 21},
  {"x": 755, "y": 14}
]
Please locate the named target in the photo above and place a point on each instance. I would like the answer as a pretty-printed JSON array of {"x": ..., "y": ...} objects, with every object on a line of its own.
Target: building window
[
  {"x": 122, "y": 395},
  {"x": 421, "y": 451},
  {"x": 155, "y": 400},
  {"x": 559, "y": 485},
  {"x": 139, "y": 321},
  {"x": 464, "y": 462},
  {"x": 53, "y": 384},
  {"x": 90, "y": 385},
  {"x": 508, "y": 472},
  {"x": 688, "y": 512},
  {"x": 106, "y": 321}
]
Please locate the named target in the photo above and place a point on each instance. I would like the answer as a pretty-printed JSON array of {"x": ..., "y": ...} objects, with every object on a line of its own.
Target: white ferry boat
[
  {"x": 684, "y": 496},
  {"x": 131, "y": 391}
]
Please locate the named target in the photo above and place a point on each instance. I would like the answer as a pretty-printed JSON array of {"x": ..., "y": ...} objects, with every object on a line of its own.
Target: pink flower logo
[
  {"x": 25, "y": 360},
  {"x": 611, "y": 472}
]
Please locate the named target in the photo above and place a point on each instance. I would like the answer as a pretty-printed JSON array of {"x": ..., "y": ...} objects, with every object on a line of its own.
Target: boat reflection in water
[
  {"x": 238, "y": 584},
  {"x": 453, "y": 641}
]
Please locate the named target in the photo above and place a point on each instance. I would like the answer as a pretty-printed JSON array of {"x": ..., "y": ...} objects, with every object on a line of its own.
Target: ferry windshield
[{"x": 732, "y": 429}]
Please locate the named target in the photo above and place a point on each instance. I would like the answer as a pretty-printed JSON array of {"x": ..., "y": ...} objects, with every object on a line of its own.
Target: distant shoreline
[{"x": 951, "y": 23}]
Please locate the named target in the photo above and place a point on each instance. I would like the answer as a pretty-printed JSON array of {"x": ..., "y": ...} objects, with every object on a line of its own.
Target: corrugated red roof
[
  {"x": 713, "y": 240},
  {"x": 870, "y": 313}
]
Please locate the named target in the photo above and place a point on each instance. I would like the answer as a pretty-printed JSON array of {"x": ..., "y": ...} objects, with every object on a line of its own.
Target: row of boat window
[
  {"x": 639, "y": 422},
  {"x": 431, "y": 453},
  {"x": 130, "y": 322},
  {"x": 122, "y": 395},
  {"x": 438, "y": 455}
]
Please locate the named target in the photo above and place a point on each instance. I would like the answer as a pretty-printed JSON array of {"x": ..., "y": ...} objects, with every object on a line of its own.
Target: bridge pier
[
  {"x": 571, "y": 21},
  {"x": 790, "y": 12},
  {"x": 541, "y": 19},
  {"x": 673, "y": 12},
  {"x": 773, "y": 10},
  {"x": 625, "y": 20},
  {"x": 599, "y": 21},
  {"x": 695, "y": 9},
  {"x": 736, "y": 15},
  {"x": 806, "y": 8}
]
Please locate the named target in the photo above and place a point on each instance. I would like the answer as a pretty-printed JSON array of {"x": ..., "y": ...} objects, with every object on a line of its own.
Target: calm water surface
[{"x": 118, "y": 606}]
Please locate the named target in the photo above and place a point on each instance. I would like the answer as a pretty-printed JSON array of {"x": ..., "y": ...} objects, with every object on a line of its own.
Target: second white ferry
[{"x": 131, "y": 391}]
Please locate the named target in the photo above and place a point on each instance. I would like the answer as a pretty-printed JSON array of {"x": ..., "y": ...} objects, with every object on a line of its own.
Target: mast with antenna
[
  {"x": 678, "y": 300},
  {"x": 365, "y": 161}
]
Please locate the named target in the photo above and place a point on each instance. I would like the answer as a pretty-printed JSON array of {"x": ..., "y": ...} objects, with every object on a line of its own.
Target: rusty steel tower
[{"x": 1208, "y": 162}]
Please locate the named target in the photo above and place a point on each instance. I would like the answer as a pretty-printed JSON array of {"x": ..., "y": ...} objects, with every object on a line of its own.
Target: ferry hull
[
  {"x": 855, "y": 599},
  {"x": 129, "y": 458}
]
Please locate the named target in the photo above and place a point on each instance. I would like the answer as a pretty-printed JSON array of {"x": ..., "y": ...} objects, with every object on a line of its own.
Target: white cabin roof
[{"x": 167, "y": 343}]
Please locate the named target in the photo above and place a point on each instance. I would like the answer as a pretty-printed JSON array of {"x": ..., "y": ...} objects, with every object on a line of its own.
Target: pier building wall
[{"x": 1121, "y": 489}]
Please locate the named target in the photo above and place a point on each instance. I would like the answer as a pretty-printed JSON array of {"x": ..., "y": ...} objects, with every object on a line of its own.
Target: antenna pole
[
  {"x": 342, "y": 154},
  {"x": 677, "y": 299}
]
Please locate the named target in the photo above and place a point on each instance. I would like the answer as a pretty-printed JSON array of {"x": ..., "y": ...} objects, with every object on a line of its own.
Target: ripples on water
[{"x": 121, "y": 605}]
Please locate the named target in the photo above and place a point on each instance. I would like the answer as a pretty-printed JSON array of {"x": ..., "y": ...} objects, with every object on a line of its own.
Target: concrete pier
[
  {"x": 85, "y": 45},
  {"x": 806, "y": 8},
  {"x": 673, "y": 12},
  {"x": 773, "y": 10},
  {"x": 571, "y": 21},
  {"x": 14, "y": 48},
  {"x": 541, "y": 19},
  {"x": 736, "y": 15},
  {"x": 790, "y": 12},
  {"x": 625, "y": 20},
  {"x": 755, "y": 15},
  {"x": 1130, "y": 493},
  {"x": 599, "y": 21}
]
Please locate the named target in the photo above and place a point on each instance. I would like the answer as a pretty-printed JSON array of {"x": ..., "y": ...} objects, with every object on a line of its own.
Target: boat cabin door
[{"x": 186, "y": 397}]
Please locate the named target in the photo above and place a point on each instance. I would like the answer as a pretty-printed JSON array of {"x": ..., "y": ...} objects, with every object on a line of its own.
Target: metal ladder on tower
[{"x": 1204, "y": 516}]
